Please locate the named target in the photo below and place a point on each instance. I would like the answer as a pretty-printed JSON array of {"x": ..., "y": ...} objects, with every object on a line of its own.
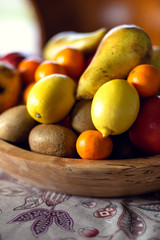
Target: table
[{"x": 29, "y": 213}]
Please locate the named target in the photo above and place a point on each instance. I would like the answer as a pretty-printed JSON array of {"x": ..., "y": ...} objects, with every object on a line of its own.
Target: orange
[
  {"x": 27, "y": 68},
  {"x": 92, "y": 145},
  {"x": 48, "y": 67},
  {"x": 26, "y": 91},
  {"x": 146, "y": 79},
  {"x": 72, "y": 60}
]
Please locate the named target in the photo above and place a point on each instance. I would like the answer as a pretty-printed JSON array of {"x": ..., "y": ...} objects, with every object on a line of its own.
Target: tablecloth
[{"x": 29, "y": 213}]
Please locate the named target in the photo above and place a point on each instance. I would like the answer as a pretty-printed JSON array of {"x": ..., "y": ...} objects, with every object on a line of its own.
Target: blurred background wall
[
  {"x": 28, "y": 24},
  {"x": 88, "y": 15}
]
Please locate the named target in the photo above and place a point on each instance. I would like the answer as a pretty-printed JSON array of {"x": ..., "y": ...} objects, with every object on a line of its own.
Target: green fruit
[
  {"x": 121, "y": 49},
  {"x": 155, "y": 59},
  {"x": 85, "y": 42},
  {"x": 115, "y": 107}
]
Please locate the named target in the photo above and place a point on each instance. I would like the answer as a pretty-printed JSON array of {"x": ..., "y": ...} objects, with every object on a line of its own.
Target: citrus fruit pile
[{"x": 121, "y": 121}]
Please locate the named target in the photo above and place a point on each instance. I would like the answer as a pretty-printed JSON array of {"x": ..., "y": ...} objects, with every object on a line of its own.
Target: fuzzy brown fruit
[
  {"x": 81, "y": 116},
  {"x": 16, "y": 124},
  {"x": 53, "y": 139}
]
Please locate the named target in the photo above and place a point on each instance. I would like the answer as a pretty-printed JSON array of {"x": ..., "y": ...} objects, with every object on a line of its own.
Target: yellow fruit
[
  {"x": 10, "y": 86},
  {"x": 115, "y": 107},
  {"x": 51, "y": 98}
]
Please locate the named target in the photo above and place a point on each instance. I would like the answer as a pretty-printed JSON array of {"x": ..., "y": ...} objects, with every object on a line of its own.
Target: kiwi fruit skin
[
  {"x": 80, "y": 116},
  {"x": 53, "y": 139},
  {"x": 16, "y": 124}
]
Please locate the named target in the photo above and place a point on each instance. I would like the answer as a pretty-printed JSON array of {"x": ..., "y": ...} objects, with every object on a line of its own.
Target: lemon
[
  {"x": 51, "y": 98},
  {"x": 115, "y": 107}
]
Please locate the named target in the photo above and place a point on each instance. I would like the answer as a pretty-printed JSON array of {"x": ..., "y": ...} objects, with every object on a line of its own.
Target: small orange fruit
[
  {"x": 72, "y": 60},
  {"x": 48, "y": 67},
  {"x": 27, "y": 68},
  {"x": 146, "y": 79},
  {"x": 26, "y": 91},
  {"x": 92, "y": 145}
]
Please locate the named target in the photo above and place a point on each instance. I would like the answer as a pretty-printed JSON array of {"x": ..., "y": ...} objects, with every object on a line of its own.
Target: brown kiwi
[
  {"x": 15, "y": 124},
  {"x": 53, "y": 139},
  {"x": 81, "y": 116}
]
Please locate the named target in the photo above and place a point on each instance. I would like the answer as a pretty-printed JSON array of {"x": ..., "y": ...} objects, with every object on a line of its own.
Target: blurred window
[{"x": 19, "y": 27}]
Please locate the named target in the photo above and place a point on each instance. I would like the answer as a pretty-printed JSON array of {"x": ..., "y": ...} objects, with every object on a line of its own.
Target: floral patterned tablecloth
[{"x": 28, "y": 213}]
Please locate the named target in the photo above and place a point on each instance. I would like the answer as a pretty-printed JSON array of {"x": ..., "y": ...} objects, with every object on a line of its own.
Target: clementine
[
  {"x": 26, "y": 91},
  {"x": 92, "y": 145},
  {"x": 48, "y": 67},
  {"x": 72, "y": 60},
  {"x": 146, "y": 79},
  {"x": 27, "y": 68}
]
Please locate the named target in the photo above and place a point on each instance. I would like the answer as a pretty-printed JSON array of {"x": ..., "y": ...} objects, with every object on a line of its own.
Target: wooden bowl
[{"x": 96, "y": 178}]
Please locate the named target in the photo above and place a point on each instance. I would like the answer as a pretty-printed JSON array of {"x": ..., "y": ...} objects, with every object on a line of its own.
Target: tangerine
[
  {"x": 72, "y": 60},
  {"x": 92, "y": 145},
  {"x": 48, "y": 67},
  {"x": 27, "y": 68},
  {"x": 146, "y": 79},
  {"x": 26, "y": 91}
]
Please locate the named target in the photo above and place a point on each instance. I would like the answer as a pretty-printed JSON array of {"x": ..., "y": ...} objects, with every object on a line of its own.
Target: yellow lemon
[
  {"x": 51, "y": 98},
  {"x": 115, "y": 107}
]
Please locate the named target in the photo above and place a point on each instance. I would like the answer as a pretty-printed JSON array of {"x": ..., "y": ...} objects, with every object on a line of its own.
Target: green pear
[
  {"x": 155, "y": 59},
  {"x": 85, "y": 42},
  {"x": 120, "y": 50}
]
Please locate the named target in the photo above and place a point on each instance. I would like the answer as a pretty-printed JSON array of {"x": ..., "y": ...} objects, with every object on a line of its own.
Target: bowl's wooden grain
[{"x": 98, "y": 178}]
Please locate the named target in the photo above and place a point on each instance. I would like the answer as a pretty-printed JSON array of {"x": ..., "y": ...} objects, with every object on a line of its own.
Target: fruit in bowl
[
  {"x": 51, "y": 98},
  {"x": 13, "y": 58},
  {"x": 120, "y": 50},
  {"x": 67, "y": 148},
  {"x": 107, "y": 98},
  {"x": 16, "y": 124},
  {"x": 10, "y": 86},
  {"x": 145, "y": 132}
]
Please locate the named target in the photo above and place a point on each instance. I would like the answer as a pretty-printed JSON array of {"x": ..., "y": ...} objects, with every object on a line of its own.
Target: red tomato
[{"x": 145, "y": 132}]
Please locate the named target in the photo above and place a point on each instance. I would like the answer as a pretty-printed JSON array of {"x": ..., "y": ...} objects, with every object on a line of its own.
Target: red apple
[
  {"x": 145, "y": 132},
  {"x": 13, "y": 58}
]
